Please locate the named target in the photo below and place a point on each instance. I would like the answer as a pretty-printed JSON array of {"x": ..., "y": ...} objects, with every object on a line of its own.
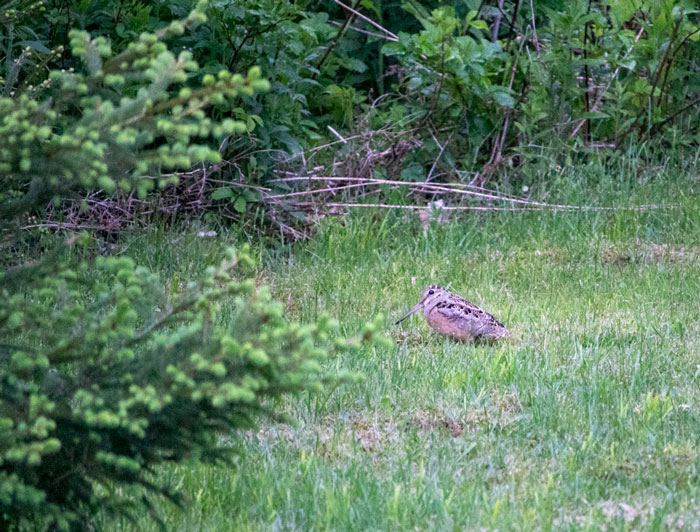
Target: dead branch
[{"x": 392, "y": 36}]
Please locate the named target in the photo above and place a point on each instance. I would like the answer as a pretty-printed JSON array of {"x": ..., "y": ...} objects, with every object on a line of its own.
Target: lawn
[{"x": 587, "y": 416}]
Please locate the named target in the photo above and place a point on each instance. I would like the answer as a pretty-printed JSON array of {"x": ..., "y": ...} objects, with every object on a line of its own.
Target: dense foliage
[
  {"x": 111, "y": 123},
  {"x": 105, "y": 371},
  {"x": 488, "y": 81},
  {"x": 128, "y": 375}
]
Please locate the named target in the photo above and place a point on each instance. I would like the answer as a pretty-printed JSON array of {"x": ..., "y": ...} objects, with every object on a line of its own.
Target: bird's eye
[{"x": 431, "y": 292}]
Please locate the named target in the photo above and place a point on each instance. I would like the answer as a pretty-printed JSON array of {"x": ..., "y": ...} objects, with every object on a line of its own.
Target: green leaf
[
  {"x": 355, "y": 65},
  {"x": 240, "y": 204},
  {"x": 37, "y": 46},
  {"x": 222, "y": 193},
  {"x": 479, "y": 25},
  {"x": 368, "y": 4},
  {"x": 414, "y": 83},
  {"x": 503, "y": 98},
  {"x": 413, "y": 173}
]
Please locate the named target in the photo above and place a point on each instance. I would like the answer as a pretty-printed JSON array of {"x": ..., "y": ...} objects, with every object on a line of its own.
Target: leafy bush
[
  {"x": 292, "y": 44},
  {"x": 452, "y": 77},
  {"x": 615, "y": 68},
  {"x": 103, "y": 380},
  {"x": 137, "y": 115},
  {"x": 550, "y": 74},
  {"x": 482, "y": 83},
  {"x": 104, "y": 372}
]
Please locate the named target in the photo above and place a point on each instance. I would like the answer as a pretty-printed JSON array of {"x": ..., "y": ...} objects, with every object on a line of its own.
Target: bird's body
[{"x": 454, "y": 316}]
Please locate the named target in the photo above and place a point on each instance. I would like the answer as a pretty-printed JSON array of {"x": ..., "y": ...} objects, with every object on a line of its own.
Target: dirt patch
[
  {"x": 551, "y": 253},
  {"x": 382, "y": 434},
  {"x": 272, "y": 434},
  {"x": 378, "y": 432},
  {"x": 371, "y": 434},
  {"x": 408, "y": 337},
  {"x": 648, "y": 253},
  {"x": 637, "y": 514},
  {"x": 430, "y": 421},
  {"x": 612, "y": 256}
]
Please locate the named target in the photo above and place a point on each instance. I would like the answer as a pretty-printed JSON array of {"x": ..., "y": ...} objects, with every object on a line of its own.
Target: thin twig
[
  {"x": 586, "y": 74},
  {"x": 482, "y": 208},
  {"x": 344, "y": 141},
  {"x": 497, "y": 22},
  {"x": 360, "y": 30},
  {"x": 602, "y": 93},
  {"x": 446, "y": 187},
  {"x": 334, "y": 42},
  {"x": 692, "y": 103},
  {"x": 63, "y": 225},
  {"x": 535, "y": 41},
  {"x": 442, "y": 149},
  {"x": 417, "y": 207},
  {"x": 670, "y": 62},
  {"x": 367, "y": 19},
  {"x": 662, "y": 63},
  {"x": 512, "y": 25},
  {"x": 497, "y": 151}
]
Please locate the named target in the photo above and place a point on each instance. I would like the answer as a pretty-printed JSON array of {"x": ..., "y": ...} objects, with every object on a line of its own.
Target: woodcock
[{"x": 456, "y": 317}]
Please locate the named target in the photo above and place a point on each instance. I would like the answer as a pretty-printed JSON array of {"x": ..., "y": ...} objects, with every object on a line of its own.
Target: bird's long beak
[{"x": 414, "y": 309}]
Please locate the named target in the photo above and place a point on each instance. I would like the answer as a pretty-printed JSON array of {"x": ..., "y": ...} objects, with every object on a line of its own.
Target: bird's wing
[
  {"x": 455, "y": 312},
  {"x": 458, "y": 310}
]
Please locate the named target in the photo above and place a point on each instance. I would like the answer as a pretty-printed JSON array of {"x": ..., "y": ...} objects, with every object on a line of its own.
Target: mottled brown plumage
[{"x": 456, "y": 317}]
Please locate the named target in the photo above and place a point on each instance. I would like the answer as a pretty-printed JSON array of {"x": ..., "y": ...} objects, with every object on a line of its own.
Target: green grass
[{"x": 587, "y": 417}]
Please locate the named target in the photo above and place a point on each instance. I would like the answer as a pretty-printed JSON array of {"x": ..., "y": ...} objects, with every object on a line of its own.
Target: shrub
[
  {"x": 107, "y": 128},
  {"x": 292, "y": 45},
  {"x": 546, "y": 74},
  {"x": 101, "y": 381},
  {"x": 104, "y": 374}
]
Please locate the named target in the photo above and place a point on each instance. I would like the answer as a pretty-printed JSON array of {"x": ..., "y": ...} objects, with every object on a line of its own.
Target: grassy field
[{"x": 588, "y": 417}]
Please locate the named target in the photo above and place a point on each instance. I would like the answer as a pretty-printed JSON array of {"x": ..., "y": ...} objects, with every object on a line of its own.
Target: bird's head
[{"x": 431, "y": 293}]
